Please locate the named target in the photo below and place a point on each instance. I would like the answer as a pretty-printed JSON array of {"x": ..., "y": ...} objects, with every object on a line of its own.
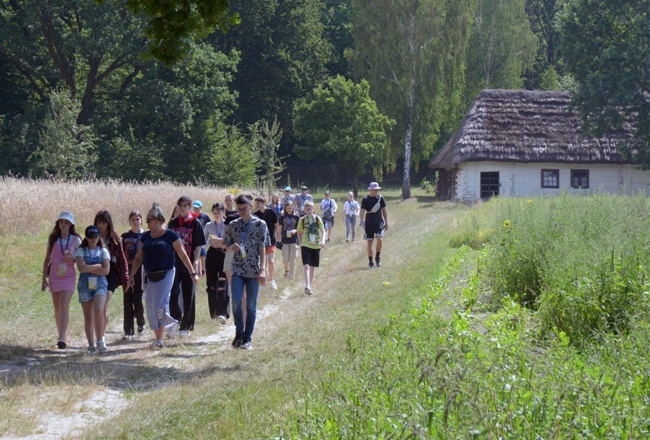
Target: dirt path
[{"x": 105, "y": 382}]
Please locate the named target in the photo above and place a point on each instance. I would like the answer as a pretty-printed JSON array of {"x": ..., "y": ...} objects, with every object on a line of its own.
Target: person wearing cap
[
  {"x": 328, "y": 207},
  {"x": 204, "y": 218},
  {"x": 374, "y": 219},
  {"x": 300, "y": 200},
  {"x": 93, "y": 261},
  {"x": 287, "y": 196},
  {"x": 190, "y": 230},
  {"x": 59, "y": 271}
]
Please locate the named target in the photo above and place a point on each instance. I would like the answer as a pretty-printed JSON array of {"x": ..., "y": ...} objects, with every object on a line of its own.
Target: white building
[{"x": 523, "y": 143}]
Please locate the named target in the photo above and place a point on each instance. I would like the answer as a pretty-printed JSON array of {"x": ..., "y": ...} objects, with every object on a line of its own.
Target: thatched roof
[{"x": 525, "y": 126}]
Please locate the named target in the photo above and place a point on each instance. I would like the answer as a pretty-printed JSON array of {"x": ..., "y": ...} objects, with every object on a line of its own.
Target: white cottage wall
[{"x": 525, "y": 179}]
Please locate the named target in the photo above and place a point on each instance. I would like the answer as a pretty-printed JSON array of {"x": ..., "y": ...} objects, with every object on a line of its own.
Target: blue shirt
[{"x": 158, "y": 252}]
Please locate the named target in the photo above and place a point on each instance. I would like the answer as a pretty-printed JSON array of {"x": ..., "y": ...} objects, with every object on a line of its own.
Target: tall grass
[
  {"x": 31, "y": 206},
  {"x": 579, "y": 261}
]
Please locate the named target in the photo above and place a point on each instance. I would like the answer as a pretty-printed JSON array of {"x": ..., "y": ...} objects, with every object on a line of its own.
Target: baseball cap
[
  {"x": 304, "y": 188},
  {"x": 327, "y": 192},
  {"x": 92, "y": 231},
  {"x": 374, "y": 185},
  {"x": 197, "y": 204},
  {"x": 288, "y": 188},
  {"x": 66, "y": 215}
]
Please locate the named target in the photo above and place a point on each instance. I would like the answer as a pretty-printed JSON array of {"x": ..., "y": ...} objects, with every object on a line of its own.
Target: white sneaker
[
  {"x": 221, "y": 319},
  {"x": 184, "y": 334},
  {"x": 172, "y": 331},
  {"x": 273, "y": 285}
]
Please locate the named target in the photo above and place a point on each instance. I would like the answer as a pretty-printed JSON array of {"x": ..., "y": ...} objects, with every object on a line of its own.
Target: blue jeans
[
  {"x": 237, "y": 289},
  {"x": 350, "y": 225}
]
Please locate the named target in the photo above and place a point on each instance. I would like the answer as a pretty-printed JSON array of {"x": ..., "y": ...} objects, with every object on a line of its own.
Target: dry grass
[{"x": 31, "y": 206}]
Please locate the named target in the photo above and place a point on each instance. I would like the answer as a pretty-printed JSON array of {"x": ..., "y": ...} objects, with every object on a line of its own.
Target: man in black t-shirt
[
  {"x": 375, "y": 221},
  {"x": 271, "y": 220},
  {"x": 190, "y": 230}
]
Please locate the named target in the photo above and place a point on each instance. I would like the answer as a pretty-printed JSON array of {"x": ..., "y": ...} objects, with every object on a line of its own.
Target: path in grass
[{"x": 133, "y": 366}]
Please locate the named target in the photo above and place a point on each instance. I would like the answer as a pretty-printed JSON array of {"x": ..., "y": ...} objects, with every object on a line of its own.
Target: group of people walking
[{"x": 163, "y": 264}]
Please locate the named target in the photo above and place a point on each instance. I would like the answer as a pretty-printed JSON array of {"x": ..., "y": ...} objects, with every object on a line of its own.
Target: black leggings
[{"x": 217, "y": 283}]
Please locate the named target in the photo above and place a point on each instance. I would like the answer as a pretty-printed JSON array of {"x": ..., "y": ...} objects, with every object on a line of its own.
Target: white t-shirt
[
  {"x": 351, "y": 207},
  {"x": 330, "y": 204}
]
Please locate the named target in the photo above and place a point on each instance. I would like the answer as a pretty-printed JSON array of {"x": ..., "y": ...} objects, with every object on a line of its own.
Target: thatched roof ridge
[{"x": 525, "y": 126}]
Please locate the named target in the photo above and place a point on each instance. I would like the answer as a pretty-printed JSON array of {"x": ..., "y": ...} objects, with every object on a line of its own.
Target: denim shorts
[{"x": 88, "y": 295}]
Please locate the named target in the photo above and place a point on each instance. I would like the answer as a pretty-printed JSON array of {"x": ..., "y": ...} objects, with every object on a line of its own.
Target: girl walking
[
  {"x": 350, "y": 213},
  {"x": 133, "y": 307},
  {"x": 311, "y": 234},
  {"x": 289, "y": 238},
  {"x": 59, "y": 272},
  {"x": 119, "y": 273},
  {"x": 93, "y": 262}
]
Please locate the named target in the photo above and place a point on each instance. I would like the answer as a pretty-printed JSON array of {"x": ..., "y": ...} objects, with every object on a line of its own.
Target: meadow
[{"x": 508, "y": 319}]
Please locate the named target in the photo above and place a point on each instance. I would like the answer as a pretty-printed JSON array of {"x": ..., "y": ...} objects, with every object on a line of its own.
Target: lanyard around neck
[{"x": 66, "y": 243}]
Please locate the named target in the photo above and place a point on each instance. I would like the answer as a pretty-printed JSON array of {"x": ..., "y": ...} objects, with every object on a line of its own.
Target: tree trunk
[{"x": 355, "y": 184}]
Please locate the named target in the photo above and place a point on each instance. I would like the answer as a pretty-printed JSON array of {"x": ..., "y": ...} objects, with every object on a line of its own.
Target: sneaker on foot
[
  {"x": 184, "y": 334},
  {"x": 347, "y": 240},
  {"x": 371, "y": 265},
  {"x": 286, "y": 274},
  {"x": 307, "y": 291},
  {"x": 101, "y": 347},
  {"x": 246, "y": 345},
  {"x": 378, "y": 263},
  {"x": 237, "y": 342},
  {"x": 172, "y": 331},
  {"x": 91, "y": 349},
  {"x": 221, "y": 320},
  {"x": 141, "y": 329},
  {"x": 273, "y": 285},
  {"x": 158, "y": 343},
  {"x": 128, "y": 337},
  {"x": 61, "y": 345}
]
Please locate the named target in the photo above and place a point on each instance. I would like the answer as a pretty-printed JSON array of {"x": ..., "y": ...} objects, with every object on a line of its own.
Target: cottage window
[
  {"x": 489, "y": 184},
  {"x": 579, "y": 178},
  {"x": 550, "y": 178}
]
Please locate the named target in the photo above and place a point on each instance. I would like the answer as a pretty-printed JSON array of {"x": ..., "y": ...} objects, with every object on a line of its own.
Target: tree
[
  {"x": 265, "y": 140},
  {"x": 412, "y": 52},
  {"x": 283, "y": 56},
  {"x": 173, "y": 24},
  {"x": 502, "y": 46},
  {"x": 343, "y": 122},
  {"x": 607, "y": 49},
  {"x": 67, "y": 149}
]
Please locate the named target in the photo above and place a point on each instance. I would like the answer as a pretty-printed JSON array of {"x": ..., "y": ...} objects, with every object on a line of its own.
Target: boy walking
[{"x": 374, "y": 219}]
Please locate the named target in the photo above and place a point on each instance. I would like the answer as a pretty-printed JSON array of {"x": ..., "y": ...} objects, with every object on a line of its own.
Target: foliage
[
  {"x": 550, "y": 80},
  {"x": 501, "y": 46},
  {"x": 172, "y": 24},
  {"x": 265, "y": 140},
  {"x": 571, "y": 258},
  {"x": 413, "y": 55},
  {"x": 283, "y": 54},
  {"x": 67, "y": 149},
  {"x": 607, "y": 46},
  {"x": 343, "y": 123},
  {"x": 429, "y": 373}
]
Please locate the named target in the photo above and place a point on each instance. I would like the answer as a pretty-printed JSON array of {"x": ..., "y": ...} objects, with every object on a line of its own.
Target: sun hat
[
  {"x": 66, "y": 215},
  {"x": 328, "y": 192},
  {"x": 92, "y": 231},
  {"x": 374, "y": 185},
  {"x": 197, "y": 204},
  {"x": 288, "y": 188}
]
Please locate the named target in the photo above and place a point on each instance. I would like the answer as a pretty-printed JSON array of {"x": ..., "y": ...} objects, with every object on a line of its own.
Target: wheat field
[{"x": 31, "y": 206}]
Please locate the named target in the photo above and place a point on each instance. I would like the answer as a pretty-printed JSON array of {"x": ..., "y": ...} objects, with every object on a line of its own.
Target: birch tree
[{"x": 412, "y": 52}]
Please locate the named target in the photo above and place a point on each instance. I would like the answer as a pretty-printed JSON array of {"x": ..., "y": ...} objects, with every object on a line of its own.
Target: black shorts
[
  {"x": 374, "y": 231},
  {"x": 112, "y": 280},
  {"x": 310, "y": 257}
]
